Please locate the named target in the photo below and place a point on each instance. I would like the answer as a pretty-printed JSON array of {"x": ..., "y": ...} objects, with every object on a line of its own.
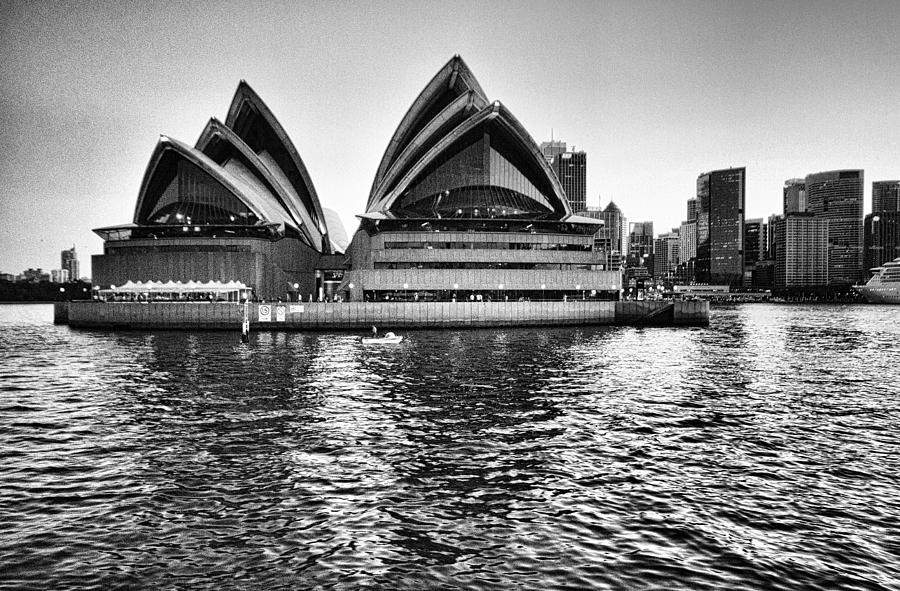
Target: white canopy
[{"x": 178, "y": 287}]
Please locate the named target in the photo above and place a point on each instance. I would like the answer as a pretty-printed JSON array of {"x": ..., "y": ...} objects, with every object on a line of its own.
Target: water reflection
[{"x": 758, "y": 453}]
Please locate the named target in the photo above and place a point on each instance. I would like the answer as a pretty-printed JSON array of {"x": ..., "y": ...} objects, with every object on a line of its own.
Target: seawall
[{"x": 387, "y": 316}]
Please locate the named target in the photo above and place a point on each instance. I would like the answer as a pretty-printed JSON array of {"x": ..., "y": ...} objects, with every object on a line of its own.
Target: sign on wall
[
  {"x": 265, "y": 313},
  {"x": 296, "y": 309},
  {"x": 279, "y": 313}
]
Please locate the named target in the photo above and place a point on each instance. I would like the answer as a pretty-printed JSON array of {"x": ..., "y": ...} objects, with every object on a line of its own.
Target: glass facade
[
  {"x": 882, "y": 239},
  {"x": 720, "y": 227},
  {"x": 837, "y": 196},
  {"x": 885, "y": 196},
  {"x": 194, "y": 197},
  {"x": 474, "y": 178}
]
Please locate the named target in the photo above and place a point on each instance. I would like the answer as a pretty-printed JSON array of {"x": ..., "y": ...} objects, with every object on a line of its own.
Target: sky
[{"x": 656, "y": 92}]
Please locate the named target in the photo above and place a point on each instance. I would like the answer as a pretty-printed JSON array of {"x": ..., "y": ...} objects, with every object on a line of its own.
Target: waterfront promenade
[{"x": 362, "y": 315}]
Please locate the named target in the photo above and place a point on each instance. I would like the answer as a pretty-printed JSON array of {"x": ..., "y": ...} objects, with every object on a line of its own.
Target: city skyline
[{"x": 85, "y": 105}]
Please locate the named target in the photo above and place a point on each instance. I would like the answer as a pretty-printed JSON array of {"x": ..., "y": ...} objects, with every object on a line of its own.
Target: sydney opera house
[
  {"x": 463, "y": 206},
  {"x": 238, "y": 206}
]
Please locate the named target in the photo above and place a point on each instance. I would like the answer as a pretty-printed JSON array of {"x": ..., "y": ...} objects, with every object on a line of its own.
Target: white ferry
[{"x": 884, "y": 286}]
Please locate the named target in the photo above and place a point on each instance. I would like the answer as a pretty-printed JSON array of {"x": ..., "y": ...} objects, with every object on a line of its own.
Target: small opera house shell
[{"x": 239, "y": 206}]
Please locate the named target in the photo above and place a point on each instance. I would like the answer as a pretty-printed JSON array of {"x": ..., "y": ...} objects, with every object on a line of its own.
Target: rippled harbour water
[{"x": 761, "y": 452}]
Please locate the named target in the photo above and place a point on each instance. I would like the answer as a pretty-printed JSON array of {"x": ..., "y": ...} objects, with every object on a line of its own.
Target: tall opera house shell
[
  {"x": 238, "y": 206},
  {"x": 464, "y": 206}
]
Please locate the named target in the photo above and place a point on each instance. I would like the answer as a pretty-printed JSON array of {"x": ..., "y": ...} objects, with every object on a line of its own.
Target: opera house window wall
[
  {"x": 464, "y": 206},
  {"x": 239, "y": 206}
]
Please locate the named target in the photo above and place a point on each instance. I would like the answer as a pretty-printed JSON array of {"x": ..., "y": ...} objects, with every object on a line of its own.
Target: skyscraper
[
  {"x": 837, "y": 196},
  {"x": 688, "y": 236},
  {"x": 770, "y": 237},
  {"x": 794, "y": 196},
  {"x": 640, "y": 245},
  {"x": 754, "y": 247},
  {"x": 571, "y": 170},
  {"x": 885, "y": 196},
  {"x": 692, "y": 209},
  {"x": 552, "y": 149},
  {"x": 882, "y": 238},
  {"x": 802, "y": 251},
  {"x": 69, "y": 262},
  {"x": 665, "y": 255},
  {"x": 720, "y": 226},
  {"x": 611, "y": 239}
]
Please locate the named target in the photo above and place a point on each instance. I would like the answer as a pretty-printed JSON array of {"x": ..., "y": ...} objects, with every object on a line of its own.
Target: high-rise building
[
  {"x": 795, "y": 196},
  {"x": 885, "y": 196},
  {"x": 687, "y": 250},
  {"x": 640, "y": 245},
  {"x": 692, "y": 209},
  {"x": 770, "y": 236},
  {"x": 837, "y": 196},
  {"x": 571, "y": 170},
  {"x": 611, "y": 239},
  {"x": 69, "y": 262},
  {"x": 802, "y": 251},
  {"x": 665, "y": 255},
  {"x": 720, "y": 226},
  {"x": 34, "y": 275},
  {"x": 754, "y": 240},
  {"x": 882, "y": 238},
  {"x": 754, "y": 247},
  {"x": 59, "y": 276},
  {"x": 688, "y": 237},
  {"x": 552, "y": 149}
]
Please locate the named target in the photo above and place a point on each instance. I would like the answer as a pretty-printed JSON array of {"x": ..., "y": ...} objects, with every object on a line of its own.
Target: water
[{"x": 761, "y": 452}]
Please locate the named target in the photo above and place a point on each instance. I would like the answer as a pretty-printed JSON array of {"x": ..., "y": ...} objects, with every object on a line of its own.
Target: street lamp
[
  {"x": 543, "y": 287},
  {"x": 499, "y": 291},
  {"x": 405, "y": 287},
  {"x": 577, "y": 287},
  {"x": 455, "y": 288}
]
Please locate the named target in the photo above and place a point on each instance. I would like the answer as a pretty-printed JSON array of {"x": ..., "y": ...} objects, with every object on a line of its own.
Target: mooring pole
[{"x": 245, "y": 325}]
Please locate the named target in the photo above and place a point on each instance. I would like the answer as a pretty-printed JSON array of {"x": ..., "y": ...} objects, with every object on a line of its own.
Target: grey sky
[{"x": 655, "y": 92}]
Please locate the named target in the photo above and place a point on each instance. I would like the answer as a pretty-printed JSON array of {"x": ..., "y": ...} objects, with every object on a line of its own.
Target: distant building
[
  {"x": 665, "y": 256},
  {"x": 69, "y": 262},
  {"x": 640, "y": 245},
  {"x": 802, "y": 251},
  {"x": 692, "y": 209},
  {"x": 881, "y": 238},
  {"x": 611, "y": 239},
  {"x": 687, "y": 235},
  {"x": 552, "y": 149},
  {"x": 795, "y": 196},
  {"x": 837, "y": 196},
  {"x": 720, "y": 226},
  {"x": 571, "y": 170},
  {"x": 754, "y": 247},
  {"x": 763, "y": 275},
  {"x": 885, "y": 196},
  {"x": 770, "y": 236},
  {"x": 60, "y": 276},
  {"x": 687, "y": 251},
  {"x": 34, "y": 275}
]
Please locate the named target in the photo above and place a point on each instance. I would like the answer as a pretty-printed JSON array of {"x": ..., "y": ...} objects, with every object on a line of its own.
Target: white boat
[
  {"x": 388, "y": 339},
  {"x": 884, "y": 286}
]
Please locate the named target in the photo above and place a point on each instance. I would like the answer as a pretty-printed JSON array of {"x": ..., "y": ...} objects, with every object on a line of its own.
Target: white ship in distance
[{"x": 884, "y": 286}]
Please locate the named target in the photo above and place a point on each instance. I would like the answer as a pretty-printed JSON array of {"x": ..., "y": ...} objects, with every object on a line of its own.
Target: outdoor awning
[{"x": 178, "y": 287}]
